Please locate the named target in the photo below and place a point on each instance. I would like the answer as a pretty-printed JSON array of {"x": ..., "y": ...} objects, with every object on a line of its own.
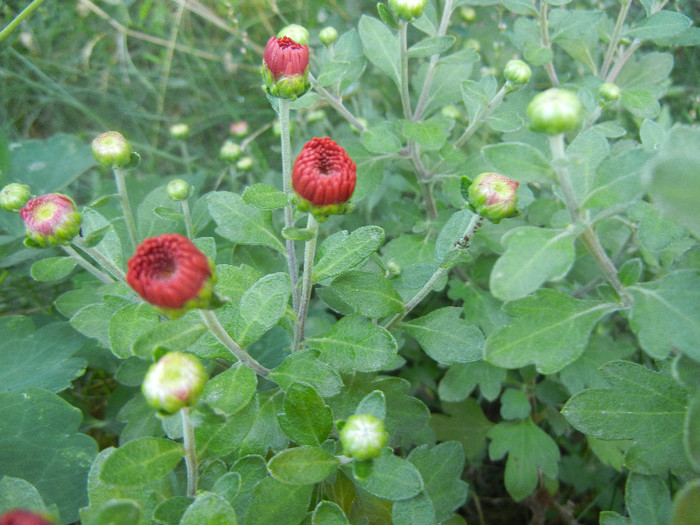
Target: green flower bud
[
  {"x": 245, "y": 164},
  {"x": 393, "y": 269},
  {"x": 328, "y": 35},
  {"x": 112, "y": 150},
  {"x": 14, "y": 196},
  {"x": 230, "y": 151},
  {"x": 407, "y": 9},
  {"x": 555, "y": 111},
  {"x": 239, "y": 129},
  {"x": 468, "y": 14},
  {"x": 493, "y": 196},
  {"x": 178, "y": 189},
  {"x": 315, "y": 116},
  {"x": 296, "y": 32},
  {"x": 451, "y": 111},
  {"x": 174, "y": 382},
  {"x": 363, "y": 436},
  {"x": 609, "y": 91},
  {"x": 179, "y": 131},
  {"x": 50, "y": 220},
  {"x": 517, "y": 72}
]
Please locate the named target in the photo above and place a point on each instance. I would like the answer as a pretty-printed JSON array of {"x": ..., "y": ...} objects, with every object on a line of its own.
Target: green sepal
[
  {"x": 362, "y": 469},
  {"x": 93, "y": 238},
  {"x": 134, "y": 162},
  {"x": 464, "y": 187},
  {"x": 321, "y": 213},
  {"x": 386, "y": 16}
]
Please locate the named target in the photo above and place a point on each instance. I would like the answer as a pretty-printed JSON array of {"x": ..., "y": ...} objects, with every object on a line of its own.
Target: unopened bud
[
  {"x": 174, "y": 382},
  {"x": 245, "y": 164},
  {"x": 239, "y": 129},
  {"x": 178, "y": 190},
  {"x": 363, "y": 436},
  {"x": 14, "y": 196},
  {"x": 609, "y": 91},
  {"x": 554, "y": 111},
  {"x": 328, "y": 35},
  {"x": 179, "y": 131},
  {"x": 230, "y": 151},
  {"x": 112, "y": 150},
  {"x": 451, "y": 111},
  {"x": 296, "y": 32},
  {"x": 393, "y": 269},
  {"x": 467, "y": 13},
  {"x": 407, "y": 9},
  {"x": 492, "y": 196},
  {"x": 50, "y": 220},
  {"x": 517, "y": 72}
]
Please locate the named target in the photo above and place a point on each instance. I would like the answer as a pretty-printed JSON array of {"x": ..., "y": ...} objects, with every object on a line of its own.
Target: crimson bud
[
  {"x": 285, "y": 68},
  {"x": 50, "y": 220}
]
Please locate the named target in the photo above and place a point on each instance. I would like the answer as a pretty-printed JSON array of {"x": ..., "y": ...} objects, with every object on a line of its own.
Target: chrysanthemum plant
[{"x": 458, "y": 283}]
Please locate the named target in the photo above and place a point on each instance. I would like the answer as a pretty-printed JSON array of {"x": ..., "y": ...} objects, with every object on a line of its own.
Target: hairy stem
[
  {"x": 306, "y": 282},
  {"x": 190, "y": 452},
  {"x": 337, "y": 104},
  {"x": 75, "y": 255},
  {"x": 287, "y": 188},
  {"x": 544, "y": 38},
  {"x": 188, "y": 218},
  {"x": 615, "y": 38},
  {"x": 403, "y": 80},
  {"x": 105, "y": 262},
  {"x": 214, "y": 325},
  {"x": 119, "y": 177}
]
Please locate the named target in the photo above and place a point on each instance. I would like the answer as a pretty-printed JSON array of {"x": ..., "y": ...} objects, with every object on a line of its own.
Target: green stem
[
  {"x": 105, "y": 262},
  {"x": 337, "y": 104},
  {"x": 126, "y": 206},
  {"x": 589, "y": 237},
  {"x": 190, "y": 452},
  {"x": 214, "y": 325},
  {"x": 471, "y": 228},
  {"x": 75, "y": 255},
  {"x": 544, "y": 38},
  {"x": 405, "y": 97},
  {"x": 306, "y": 283},
  {"x": 615, "y": 38},
  {"x": 287, "y": 188},
  {"x": 185, "y": 152},
  {"x": 188, "y": 219},
  {"x": 18, "y": 19}
]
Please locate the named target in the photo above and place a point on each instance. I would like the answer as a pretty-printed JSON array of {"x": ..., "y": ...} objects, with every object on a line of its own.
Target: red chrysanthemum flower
[
  {"x": 285, "y": 67},
  {"x": 323, "y": 173},
  {"x": 170, "y": 272},
  {"x": 23, "y": 517}
]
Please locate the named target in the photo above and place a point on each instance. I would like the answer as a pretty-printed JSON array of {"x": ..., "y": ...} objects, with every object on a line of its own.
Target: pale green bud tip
[
  {"x": 178, "y": 189},
  {"x": 363, "y": 436},
  {"x": 245, "y": 164},
  {"x": 328, "y": 35},
  {"x": 494, "y": 196},
  {"x": 112, "y": 150},
  {"x": 467, "y": 13},
  {"x": 407, "y": 9},
  {"x": 14, "y": 196},
  {"x": 174, "y": 382},
  {"x": 230, "y": 151},
  {"x": 517, "y": 72},
  {"x": 555, "y": 111},
  {"x": 451, "y": 111},
  {"x": 179, "y": 131},
  {"x": 609, "y": 91},
  {"x": 296, "y": 32}
]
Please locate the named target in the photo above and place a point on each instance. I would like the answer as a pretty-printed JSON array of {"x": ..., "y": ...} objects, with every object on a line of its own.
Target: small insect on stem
[{"x": 464, "y": 242}]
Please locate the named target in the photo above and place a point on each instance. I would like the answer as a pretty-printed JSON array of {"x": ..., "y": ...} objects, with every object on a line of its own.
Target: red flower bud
[
  {"x": 51, "y": 219},
  {"x": 285, "y": 67},
  {"x": 170, "y": 272},
  {"x": 23, "y": 517},
  {"x": 494, "y": 196},
  {"x": 323, "y": 173}
]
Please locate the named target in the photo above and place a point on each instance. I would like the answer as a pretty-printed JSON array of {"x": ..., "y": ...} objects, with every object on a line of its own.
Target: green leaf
[
  {"x": 240, "y": 223},
  {"x": 354, "y": 344},
  {"x": 251, "y": 469},
  {"x": 452, "y": 233},
  {"x": 368, "y": 293},
  {"x": 264, "y": 433},
  {"x": 514, "y": 404},
  {"x": 392, "y": 478},
  {"x": 691, "y": 438},
  {"x": 128, "y": 324},
  {"x": 297, "y": 234},
  {"x": 520, "y": 7},
  {"x": 219, "y": 439},
  {"x": 441, "y": 469},
  {"x": 417, "y": 510},
  {"x": 430, "y": 134},
  {"x": 645, "y": 406},
  {"x": 41, "y": 357},
  {"x": 460, "y": 381},
  {"x": 550, "y": 330},
  {"x": 265, "y": 197},
  {"x": 348, "y": 252},
  {"x": 261, "y": 307},
  {"x": 533, "y": 256},
  {"x": 141, "y": 461},
  {"x": 529, "y": 449},
  {"x": 450, "y": 71},
  {"x": 640, "y": 102},
  {"x": 118, "y": 512},
  {"x": 16, "y": 493},
  {"x": 51, "y": 164},
  {"x": 464, "y": 422},
  {"x": 328, "y": 513},
  {"x": 662, "y": 24},
  {"x": 175, "y": 336},
  {"x": 648, "y": 500},
  {"x": 52, "y": 269},
  {"x": 40, "y": 443},
  {"x": 306, "y": 367},
  {"x": 303, "y": 465},
  {"x": 474, "y": 97},
  {"x": 110, "y": 246},
  {"x": 520, "y": 162},
  {"x": 231, "y": 390},
  {"x": 665, "y": 314},
  {"x": 686, "y": 503},
  {"x": 307, "y": 420},
  {"x": 381, "y": 139},
  {"x": 380, "y": 45},
  {"x": 445, "y": 337},
  {"x": 170, "y": 511},
  {"x": 168, "y": 213},
  {"x": 275, "y": 502},
  {"x": 332, "y": 72},
  {"x": 648, "y": 71},
  {"x": 617, "y": 180},
  {"x": 430, "y": 46},
  {"x": 209, "y": 509},
  {"x": 505, "y": 121}
]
